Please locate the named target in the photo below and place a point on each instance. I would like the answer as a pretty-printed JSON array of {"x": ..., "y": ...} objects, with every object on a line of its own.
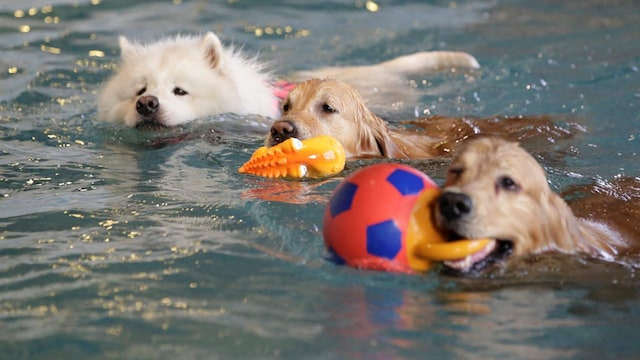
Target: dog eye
[
  {"x": 179, "y": 91},
  {"x": 141, "y": 91},
  {"x": 285, "y": 107},
  {"x": 456, "y": 171},
  {"x": 328, "y": 109},
  {"x": 507, "y": 183}
]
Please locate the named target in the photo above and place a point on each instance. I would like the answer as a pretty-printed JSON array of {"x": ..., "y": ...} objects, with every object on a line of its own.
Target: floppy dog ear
[
  {"x": 376, "y": 138},
  {"x": 212, "y": 49},
  {"x": 389, "y": 148},
  {"x": 569, "y": 234}
]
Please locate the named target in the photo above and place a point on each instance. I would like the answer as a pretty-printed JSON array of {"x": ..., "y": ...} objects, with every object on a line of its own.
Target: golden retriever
[
  {"x": 495, "y": 189},
  {"x": 330, "y": 107}
]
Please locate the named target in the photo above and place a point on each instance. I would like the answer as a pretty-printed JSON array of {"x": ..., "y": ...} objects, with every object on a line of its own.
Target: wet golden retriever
[
  {"x": 330, "y": 107},
  {"x": 495, "y": 189}
]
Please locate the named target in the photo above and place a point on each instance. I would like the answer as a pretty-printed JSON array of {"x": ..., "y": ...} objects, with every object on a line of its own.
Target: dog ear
[
  {"x": 388, "y": 147},
  {"x": 126, "y": 47},
  {"x": 212, "y": 49},
  {"x": 377, "y": 140},
  {"x": 565, "y": 232}
]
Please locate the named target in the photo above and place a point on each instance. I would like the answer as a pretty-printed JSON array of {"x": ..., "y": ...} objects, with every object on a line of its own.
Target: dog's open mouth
[{"x": 496, "y": 251}]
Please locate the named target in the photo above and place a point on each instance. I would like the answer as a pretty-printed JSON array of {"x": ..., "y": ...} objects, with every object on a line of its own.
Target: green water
[{"x": 113, "y": 248}]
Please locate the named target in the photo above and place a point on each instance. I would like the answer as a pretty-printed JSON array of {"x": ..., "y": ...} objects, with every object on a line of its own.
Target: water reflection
[
  {"x": 460, "y": 318},
  {"x": 287, "y": 191}
]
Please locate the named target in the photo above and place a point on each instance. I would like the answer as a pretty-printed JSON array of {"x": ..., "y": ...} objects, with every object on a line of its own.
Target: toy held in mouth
[
  {"x": 379, "y": 218},
  {"x": 316, "y": 157}
]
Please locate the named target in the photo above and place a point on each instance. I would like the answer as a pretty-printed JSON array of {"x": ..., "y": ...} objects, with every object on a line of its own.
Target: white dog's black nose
[
  {"x": 282, "y": 130},
  {"x": 147, "y": 105},
  {"x": 454, "y": 205}
]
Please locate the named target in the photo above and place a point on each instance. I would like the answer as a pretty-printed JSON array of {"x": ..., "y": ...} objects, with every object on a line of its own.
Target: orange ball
[
  {"x": 379, "y": 218},
  {"x": 367, "y": 221}
]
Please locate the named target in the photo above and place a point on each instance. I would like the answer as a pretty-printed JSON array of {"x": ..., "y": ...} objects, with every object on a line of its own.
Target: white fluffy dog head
[{"x": 177, "y": 80}]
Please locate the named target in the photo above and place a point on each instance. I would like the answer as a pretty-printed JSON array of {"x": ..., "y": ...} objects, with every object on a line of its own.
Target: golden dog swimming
[
  {"x": 495, "y": 189},
  {"x": 331, "y": 107}
]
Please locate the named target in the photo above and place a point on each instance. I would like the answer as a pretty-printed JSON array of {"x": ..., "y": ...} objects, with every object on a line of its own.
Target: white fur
[
  {"x": 221, "y": 79},
  {"x": 217, "y": 80}
]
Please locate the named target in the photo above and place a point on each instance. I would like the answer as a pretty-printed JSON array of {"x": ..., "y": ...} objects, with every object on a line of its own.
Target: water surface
[{"x": 111, "y": 247}]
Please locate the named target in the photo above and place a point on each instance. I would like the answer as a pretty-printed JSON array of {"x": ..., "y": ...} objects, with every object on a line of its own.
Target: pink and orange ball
[{"x": 366, "y": 220}]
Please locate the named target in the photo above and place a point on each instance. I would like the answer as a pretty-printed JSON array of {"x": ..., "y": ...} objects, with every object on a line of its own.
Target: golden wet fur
[
  {"x": 330, "y": 107},
  {"x": 510, "y": 200}
]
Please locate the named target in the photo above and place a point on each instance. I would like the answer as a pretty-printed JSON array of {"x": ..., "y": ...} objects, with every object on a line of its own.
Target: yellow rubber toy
[
  {"x": 316, "y": 157},
  {"x": 425, "y": 244}
]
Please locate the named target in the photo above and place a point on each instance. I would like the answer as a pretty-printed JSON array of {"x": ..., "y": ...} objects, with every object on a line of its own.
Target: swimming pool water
[{"x": 111, "y": 247}]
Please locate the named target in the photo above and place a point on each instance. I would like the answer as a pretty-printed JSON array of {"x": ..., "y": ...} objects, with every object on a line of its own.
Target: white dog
[{"x": 176, "y": 80}]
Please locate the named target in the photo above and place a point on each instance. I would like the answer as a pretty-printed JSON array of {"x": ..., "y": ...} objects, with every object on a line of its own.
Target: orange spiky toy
[{"x": 317, "y": 157}]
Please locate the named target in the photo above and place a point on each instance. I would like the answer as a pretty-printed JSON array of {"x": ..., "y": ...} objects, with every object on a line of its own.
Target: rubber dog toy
[
  {"x": 316, "y": 157},
  {"x": 379, "y": 218}
]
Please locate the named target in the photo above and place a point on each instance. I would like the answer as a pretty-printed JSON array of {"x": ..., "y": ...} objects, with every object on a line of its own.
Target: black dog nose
[
  {"x": 453, "y": 205},
  {"x": 147, "y": 105},
  {"x": 282, "y": 130}
]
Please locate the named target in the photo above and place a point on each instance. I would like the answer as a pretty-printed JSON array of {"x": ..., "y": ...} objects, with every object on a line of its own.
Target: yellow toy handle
[
  {"x": 425, "y": 244},
  {"x": 316, "y": 157},
  {"x": 450, "y": 250}
]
